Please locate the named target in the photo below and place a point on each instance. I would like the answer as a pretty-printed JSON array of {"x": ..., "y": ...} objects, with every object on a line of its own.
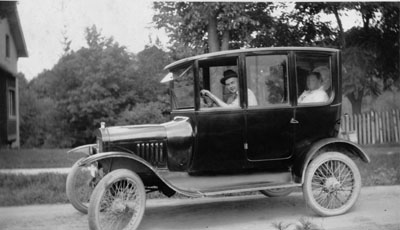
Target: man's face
[{"x": 232, "y": 84}]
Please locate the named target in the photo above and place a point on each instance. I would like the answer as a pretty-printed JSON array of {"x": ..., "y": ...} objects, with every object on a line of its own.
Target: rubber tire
[
  {"x": 307, "y": 189},
  {"x": 278, "y": 192},
  {"x": 100, "y": 189},
  {"x": 71, "y": 190}
]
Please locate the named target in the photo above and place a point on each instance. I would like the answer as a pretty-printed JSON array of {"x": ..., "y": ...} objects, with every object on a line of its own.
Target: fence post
[
  {"x": 364, "y": 124},
  {"x": 380, "y": 128},
  {"x": 356, "y": 129},
  {"x": 388, "y": 127},
  {"x": 369, "y": 131},
  {"x": 376, "y": 126},
  {"x": 372, "y": 127},
  {"x": 396, "y": 134}
]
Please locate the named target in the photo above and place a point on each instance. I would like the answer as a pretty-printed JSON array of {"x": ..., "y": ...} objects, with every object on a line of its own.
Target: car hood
[
  {"x": 133, "y": 132},
  {"x": 176, "y": 131}
]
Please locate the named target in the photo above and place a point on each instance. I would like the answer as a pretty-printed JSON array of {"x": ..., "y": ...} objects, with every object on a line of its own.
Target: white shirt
[
  {"x": 313, "y": 96},
  {"x": 252, "y": 101}
]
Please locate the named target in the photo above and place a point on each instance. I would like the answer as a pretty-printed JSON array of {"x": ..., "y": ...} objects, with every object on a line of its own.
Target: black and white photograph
[{"x": 193, "y": 115}]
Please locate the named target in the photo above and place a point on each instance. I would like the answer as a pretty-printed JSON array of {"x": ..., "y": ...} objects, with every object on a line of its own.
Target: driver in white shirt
[{"x": 230, "y": 80}]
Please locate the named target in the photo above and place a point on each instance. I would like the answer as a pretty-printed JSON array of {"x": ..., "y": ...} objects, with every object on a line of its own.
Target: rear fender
[{"x": 304, "y": 157}]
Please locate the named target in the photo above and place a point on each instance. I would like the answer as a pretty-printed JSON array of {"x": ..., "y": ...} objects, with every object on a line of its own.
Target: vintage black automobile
[{"x": 278, "y": 133}]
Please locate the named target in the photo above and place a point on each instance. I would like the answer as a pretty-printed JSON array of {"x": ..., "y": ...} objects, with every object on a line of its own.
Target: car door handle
[{"x": 294, "y": 121}]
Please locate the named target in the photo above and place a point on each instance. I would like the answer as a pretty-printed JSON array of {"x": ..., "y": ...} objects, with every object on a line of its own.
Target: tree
[
  {"x": 372, "y": 52},
  {"x": 151, "y": 62},
  {"x": 101, "y": 82},
  {"x": 212, "y": 25},
  {"x": 88, "y": 86},
  {"x": 308, "y": 14},
  {"x": 28, "y": 107},
  {"x": 358, "y": 76}
]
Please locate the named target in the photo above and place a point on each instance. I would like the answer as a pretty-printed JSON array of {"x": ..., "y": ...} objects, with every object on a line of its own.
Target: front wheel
[
  {"x": 332, "y": 184},
  {"x": 117, "y": 202},
  {"x": 79, "y": 187}
]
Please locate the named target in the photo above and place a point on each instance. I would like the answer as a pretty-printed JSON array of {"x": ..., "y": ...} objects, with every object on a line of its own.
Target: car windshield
[{"x": 183, "y": 88}]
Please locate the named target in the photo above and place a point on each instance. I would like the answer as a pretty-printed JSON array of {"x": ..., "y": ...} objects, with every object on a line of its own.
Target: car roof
[{"x": 240, "y": 51}]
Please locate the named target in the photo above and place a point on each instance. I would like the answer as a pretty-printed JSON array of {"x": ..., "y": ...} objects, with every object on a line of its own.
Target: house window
[
  {"x": 7, "y": 46},
  {"x": 12, "y": 105}
]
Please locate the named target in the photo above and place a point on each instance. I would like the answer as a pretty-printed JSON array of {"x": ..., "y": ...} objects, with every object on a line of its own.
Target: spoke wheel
[
  {"x": 118, "y": 202},
  {"x": 79, "y": 186},
  {"x": 277, "y": 192},
  {"x": 332, "y": 184}
]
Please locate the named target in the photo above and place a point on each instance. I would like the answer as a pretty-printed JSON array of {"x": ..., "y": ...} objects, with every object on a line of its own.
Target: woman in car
[{"x": 315, "y": 92}]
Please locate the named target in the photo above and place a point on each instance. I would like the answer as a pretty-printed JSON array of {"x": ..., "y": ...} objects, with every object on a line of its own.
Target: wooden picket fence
[{"x": 372, "y": 127}]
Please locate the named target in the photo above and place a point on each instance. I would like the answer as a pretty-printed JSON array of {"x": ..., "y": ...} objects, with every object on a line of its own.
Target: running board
[
  {"x": 250, "y": 189},
  {"x": 210, "y": 185}
]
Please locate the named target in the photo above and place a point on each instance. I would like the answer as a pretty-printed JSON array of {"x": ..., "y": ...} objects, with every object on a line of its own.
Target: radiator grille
[{"x": 152, "y": 152}]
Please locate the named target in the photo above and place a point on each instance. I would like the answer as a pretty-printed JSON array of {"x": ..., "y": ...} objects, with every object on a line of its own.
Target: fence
[{"x": 372, "y": 127}]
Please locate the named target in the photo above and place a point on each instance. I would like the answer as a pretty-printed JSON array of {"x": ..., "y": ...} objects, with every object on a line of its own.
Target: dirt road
[{"x": 377, "y": 208}]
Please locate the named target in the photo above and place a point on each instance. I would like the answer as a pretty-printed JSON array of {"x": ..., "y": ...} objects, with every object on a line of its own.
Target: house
[{"x": 12, "y": 47}]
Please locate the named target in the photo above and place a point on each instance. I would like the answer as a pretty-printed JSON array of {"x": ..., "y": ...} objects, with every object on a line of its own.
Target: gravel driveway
[{"x": 377, "y": 208}]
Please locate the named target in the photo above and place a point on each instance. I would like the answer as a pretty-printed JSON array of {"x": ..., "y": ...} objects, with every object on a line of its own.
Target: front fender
[
  {"x": 88, "y": 150},
  {"x": 101, "y": 156},
  {"x": 304, "y": 157},
  {"x": 140, "y": 161}
]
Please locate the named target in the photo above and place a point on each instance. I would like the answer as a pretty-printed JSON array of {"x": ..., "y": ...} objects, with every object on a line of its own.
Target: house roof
[{"x": 9, "y": 9}]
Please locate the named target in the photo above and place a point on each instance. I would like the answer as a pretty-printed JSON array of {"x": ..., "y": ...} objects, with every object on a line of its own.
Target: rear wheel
[
  {"x": 332, "y": 184},
  {"x": 117, "y": 202},
  {"x": 277, "y": 192}
]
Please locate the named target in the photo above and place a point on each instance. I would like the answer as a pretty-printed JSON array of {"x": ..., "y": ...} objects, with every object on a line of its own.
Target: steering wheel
[{"x": 208, "y": 101}]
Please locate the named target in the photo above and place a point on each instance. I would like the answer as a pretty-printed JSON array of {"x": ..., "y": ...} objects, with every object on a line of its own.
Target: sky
[{"x": 45, "y": 21}]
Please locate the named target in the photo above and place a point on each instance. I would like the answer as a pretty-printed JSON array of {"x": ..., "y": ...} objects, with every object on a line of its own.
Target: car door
[
  {"x": 315, "y": 118},
  {"x": 269, "y": 128},
  {"x": 219, "y": 131}
]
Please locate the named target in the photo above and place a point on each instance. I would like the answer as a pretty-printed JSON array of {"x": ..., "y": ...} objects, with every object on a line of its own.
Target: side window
[
  {"x": 220, "y": 77},
  {"x": 183, "y": 90},
  {"x": 313, "y": 79},
  {"x": 267, "y": 79}
]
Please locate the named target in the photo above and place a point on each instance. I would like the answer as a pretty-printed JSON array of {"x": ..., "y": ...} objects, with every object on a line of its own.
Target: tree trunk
[
  {"x": 213, "y": 42},
  {"x": 355, "y": 99},
  {"x": 341, "y": 31},
  {"x": 225, "y": 40}
]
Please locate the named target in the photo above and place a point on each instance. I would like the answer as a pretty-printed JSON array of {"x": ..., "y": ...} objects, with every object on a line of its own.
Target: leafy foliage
[
  {"x": 370, "y": 52},
  {"x": 212, "y": 26},
  {"x": 94, "y": 84},
  {"x": 143, "y": 114}
]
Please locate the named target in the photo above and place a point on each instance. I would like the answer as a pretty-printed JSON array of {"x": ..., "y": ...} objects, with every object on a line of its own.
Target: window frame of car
[
  {"x": 242, "y": 76},
  {"x": 186, "y": 67},
  {"x": 288, "y": 76},
  {"x": 333, "y": 77},
  {"x": 197, "y": 66}
]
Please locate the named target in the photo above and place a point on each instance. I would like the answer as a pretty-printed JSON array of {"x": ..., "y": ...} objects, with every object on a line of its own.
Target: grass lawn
[
  {"x": 37, "y": 158},
  {"x": 47, "y": 188}
]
